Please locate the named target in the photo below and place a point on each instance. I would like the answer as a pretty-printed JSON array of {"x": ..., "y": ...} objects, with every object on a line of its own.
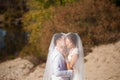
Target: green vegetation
[
  {"x": 97, "y": 22},
  {"x": 11, "y": 21}
]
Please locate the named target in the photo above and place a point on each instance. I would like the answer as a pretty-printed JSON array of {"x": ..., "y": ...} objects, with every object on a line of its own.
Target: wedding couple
[{"x": 65, "y": 58}]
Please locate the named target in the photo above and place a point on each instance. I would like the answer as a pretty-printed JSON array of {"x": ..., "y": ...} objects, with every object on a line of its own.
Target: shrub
[
  {"x": 33, "y": 21},
  {"x": 12, "y": 24},
  {"x": 97, "y": 22}
]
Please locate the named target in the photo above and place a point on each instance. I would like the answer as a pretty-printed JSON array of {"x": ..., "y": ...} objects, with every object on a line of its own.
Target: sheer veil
[
  {"x": 79, "y": 63},
  {"x": 48, "y": 68}
]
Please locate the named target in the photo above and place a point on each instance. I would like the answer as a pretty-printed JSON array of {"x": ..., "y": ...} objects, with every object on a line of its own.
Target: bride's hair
[
  {"x": 73, "y": 38},
  {"x": 57, "y": 36}
]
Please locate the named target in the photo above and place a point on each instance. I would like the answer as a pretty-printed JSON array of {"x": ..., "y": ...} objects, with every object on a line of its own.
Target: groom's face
[
  {"x": 61, "y": 43},
  {"x": 68, "y": 43}
]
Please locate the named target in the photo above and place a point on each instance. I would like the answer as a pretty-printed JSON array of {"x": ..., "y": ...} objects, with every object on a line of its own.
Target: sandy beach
[{"x": 103, "y": 63}]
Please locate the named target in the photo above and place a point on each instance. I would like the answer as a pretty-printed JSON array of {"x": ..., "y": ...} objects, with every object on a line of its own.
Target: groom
[{"x": 60, "y": 71}]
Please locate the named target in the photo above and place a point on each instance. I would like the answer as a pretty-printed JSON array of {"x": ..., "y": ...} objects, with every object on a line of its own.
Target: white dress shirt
[{"x": 60, "y": 71}]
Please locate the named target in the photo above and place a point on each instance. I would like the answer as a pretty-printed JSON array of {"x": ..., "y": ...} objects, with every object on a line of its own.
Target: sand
[{"x": 103, "y": 63}]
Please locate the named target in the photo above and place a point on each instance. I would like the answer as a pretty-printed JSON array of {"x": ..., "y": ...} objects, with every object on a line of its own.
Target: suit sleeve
[{"x": 58, "y": 71}]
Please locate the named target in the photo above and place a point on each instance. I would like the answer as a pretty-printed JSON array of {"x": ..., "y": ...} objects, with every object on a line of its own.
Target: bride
[{"x": 74, "y": 58}]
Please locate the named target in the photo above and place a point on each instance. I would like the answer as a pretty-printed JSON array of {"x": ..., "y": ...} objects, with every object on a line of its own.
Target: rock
[
  {"x": 103, "y": 63},
  {"x": 37, "y": 74},
  {"x": 15, "y": 69}
]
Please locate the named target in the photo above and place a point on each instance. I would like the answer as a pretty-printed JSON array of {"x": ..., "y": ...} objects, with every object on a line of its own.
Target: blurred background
[{"x": 27, "y": 26}]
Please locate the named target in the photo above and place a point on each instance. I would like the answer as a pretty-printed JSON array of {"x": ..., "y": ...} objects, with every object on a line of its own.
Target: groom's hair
[{"x": 57, "y": 36}]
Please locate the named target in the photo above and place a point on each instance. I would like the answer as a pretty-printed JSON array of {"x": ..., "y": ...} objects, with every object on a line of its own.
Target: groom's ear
[
  {"x": 57, "y": 37},
  {"x": 56, "y": 41}
]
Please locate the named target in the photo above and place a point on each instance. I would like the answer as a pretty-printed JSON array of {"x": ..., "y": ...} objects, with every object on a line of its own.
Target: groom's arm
[{"x": 58, "y": 69}]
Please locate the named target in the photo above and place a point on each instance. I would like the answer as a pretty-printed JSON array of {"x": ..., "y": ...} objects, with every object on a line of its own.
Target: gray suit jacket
[{"x": 60, "y": 71}]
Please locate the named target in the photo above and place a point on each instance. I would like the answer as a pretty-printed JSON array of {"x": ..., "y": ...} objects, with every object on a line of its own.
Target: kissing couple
[{"x": 65, "y": 58}]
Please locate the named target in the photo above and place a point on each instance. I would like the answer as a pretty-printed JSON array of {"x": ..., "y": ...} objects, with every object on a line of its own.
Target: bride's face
[{"x": 69, "y": 43}]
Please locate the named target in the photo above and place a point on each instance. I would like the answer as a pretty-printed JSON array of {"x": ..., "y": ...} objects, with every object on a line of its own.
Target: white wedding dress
[{"x": 73, "y": 52}]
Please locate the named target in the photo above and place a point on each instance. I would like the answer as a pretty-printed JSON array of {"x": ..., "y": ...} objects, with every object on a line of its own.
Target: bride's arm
[{"x": 71, "y": 64}]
